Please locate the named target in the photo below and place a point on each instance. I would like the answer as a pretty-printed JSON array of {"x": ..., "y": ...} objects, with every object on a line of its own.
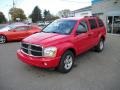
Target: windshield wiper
[
  {"x": 50, "y": 32},
  {"x": 54, "y": 32},
  {"x": 45, "y": 32}
]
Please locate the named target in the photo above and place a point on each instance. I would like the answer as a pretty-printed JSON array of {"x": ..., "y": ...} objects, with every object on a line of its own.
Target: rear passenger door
[
  {"x": 94, "y": 31},
  {"x": 32, "y": 30},
  {"x": 21, "y": 32}
]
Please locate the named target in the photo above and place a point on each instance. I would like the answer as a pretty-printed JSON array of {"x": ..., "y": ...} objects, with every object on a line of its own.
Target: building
[
  {"x": 87, "y": 11},
  {"x": 109, "y": 12}
]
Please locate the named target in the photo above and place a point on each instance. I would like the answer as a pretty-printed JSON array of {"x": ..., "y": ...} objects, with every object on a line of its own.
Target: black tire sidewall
[
  {"x": 97, "y": 48},
  {"x": 5, "y": 38},
  {"x": 62, "y": 64}
]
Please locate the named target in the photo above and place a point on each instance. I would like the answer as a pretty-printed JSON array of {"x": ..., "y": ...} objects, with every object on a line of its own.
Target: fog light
[{"x": 45, "y": 64}]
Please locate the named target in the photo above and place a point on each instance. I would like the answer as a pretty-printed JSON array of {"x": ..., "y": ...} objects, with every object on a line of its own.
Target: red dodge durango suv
[{"x": 58, "y": 44}]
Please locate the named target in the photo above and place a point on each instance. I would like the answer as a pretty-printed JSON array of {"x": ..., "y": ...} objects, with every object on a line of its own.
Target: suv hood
[{"x": 45, "y": 38}]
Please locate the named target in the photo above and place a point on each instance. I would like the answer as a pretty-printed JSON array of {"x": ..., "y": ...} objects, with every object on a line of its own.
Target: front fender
[{"x": 64, "y": 47}]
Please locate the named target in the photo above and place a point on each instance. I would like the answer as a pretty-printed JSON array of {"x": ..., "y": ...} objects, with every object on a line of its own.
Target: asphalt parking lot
[{"x": 92, "y": 71}]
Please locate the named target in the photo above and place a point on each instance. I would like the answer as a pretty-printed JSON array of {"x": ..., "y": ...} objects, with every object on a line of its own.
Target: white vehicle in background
[
  {"x": 40, "y": 23},
  {"x": 47, "y": 22}
]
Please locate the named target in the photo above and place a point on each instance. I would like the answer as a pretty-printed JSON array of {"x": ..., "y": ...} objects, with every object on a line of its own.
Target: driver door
[{"x": 18, "y": 33}]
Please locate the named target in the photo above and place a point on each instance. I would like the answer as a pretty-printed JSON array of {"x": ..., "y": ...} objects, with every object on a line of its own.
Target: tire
[
  {"x": 100, "y": 46},
  {"x": 66, "y": 62},
  {"x": 3, "y": 39}
]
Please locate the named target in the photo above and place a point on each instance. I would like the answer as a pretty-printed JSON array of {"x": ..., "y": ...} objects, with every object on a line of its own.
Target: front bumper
[{"x": 42, "y": 62}]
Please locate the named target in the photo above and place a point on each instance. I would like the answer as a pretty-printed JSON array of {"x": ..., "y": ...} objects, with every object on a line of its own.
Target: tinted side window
[
  {"x": 82, "y": 27},
  {"x": 92, "y": 23},
  {"x": 100, "y": 23},
  {"x": 28, "y": 27}
]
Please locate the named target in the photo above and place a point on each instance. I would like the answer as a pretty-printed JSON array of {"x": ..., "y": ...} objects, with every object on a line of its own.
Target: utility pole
[{"x": 13, "y": 4}]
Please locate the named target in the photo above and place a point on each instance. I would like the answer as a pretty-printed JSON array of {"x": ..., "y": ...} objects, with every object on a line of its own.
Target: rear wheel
[
  {"x": 100, "y": 46},
  {"x": 66, "y": 62},
  {"x": 2, "y": 39}
]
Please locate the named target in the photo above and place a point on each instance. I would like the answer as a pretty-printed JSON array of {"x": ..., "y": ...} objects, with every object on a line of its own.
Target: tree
[
  {"x": 48, "y": 16},
  {"x": 53, "y": 18},
  {"x": 64, "y": 13},
  {"x": 36, "y": 14},
  {"x": 2, "y": 18},
  {"x": 17, "y": 13},
  {"x": 45, "y": 13}
]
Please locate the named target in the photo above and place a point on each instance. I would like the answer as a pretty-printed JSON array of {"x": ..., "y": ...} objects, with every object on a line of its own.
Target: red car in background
[{"x": 17, "y": 31}]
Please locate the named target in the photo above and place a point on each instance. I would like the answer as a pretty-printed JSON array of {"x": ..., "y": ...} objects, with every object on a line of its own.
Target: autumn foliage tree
[{"x": 17, "y": 13}]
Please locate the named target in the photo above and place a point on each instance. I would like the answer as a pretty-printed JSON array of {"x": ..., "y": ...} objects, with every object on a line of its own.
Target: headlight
[{"x": 50, "y": 52}]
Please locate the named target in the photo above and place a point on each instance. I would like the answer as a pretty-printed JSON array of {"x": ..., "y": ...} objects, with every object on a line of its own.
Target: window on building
[{"x": 92, "y": 23}]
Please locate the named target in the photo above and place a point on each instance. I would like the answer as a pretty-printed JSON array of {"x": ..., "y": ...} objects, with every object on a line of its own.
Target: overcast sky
[{"x": 53, "y": 5}]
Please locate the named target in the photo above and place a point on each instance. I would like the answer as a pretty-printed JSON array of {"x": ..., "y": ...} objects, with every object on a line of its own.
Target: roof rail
[
  {"x": 86, "y": 16},
  {"x": 91, "y": 16}
]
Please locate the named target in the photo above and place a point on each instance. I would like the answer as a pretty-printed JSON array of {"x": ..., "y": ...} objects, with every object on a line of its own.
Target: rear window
[
  {"x": 92, "y": 23},
  {"x": 100, "y": 23}
]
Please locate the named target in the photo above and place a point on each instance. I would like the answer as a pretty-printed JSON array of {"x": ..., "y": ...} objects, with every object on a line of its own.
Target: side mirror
[{"x": 13, "y": 30}]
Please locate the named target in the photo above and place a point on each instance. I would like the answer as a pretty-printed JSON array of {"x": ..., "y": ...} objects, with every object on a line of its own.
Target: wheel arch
[
  {"x": 4, "y": 36},
  {"x": 102, "y": 37},
  {"x": 72, "y": 50}
]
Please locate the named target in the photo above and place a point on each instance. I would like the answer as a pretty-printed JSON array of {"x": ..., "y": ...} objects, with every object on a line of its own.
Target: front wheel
[
  {"x": 2, "y": 39},
  {"x": 100, "y": 46},
  {"x": 66, "y": 62}
]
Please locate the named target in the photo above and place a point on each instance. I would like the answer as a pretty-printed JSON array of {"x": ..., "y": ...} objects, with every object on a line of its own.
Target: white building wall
[
  {"x": 106, "y": 8},
  {"x": 82, "y": 14}
]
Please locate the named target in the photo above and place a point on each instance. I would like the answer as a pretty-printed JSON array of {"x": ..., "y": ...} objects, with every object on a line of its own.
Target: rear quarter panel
[{"x": 33, "y": 30}]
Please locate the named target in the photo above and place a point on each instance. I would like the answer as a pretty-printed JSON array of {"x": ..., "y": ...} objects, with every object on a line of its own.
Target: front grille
[
  {"x": 30, "y": 49},
  {"x": 36, "y": 48}
]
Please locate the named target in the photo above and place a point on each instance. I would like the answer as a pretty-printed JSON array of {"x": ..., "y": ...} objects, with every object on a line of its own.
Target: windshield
[
  {"x": 60, "y": 26},
  {"x": 8, "y": 27},
  {"x": 5, "y": 28},
  {"x": 11, "y": 26}
]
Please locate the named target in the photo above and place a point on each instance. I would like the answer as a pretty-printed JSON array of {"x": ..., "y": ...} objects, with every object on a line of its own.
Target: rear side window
[
  {"x": 92, "y": 23},
  {"x": 21, "y": 28},
  {"x": 100, "y": 23}
]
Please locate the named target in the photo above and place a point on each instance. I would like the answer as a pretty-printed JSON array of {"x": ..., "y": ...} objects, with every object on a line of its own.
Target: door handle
[{"x": 90, "y": 34}]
